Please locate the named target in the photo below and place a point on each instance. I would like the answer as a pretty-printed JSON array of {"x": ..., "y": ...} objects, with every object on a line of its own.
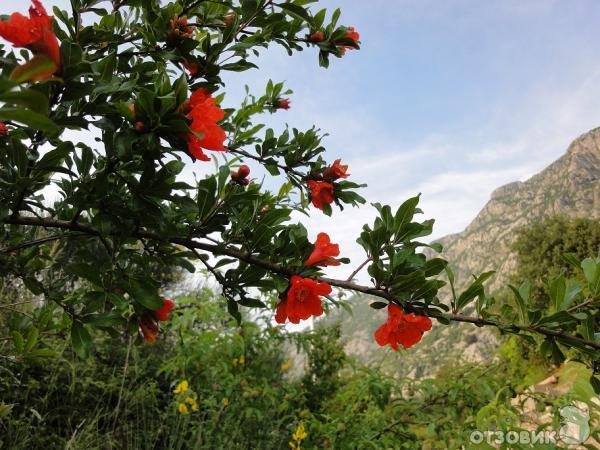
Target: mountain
[{"x": 570, "y": 186}]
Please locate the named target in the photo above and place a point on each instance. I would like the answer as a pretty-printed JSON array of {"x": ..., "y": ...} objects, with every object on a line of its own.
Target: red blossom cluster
[
  {"x": 350, "y": 34},
  {"x": 204, "y": 113},
  {"x": 322, "y": 191},
  {"x": 303, "y": 296},
  {"x": 401, "y": 328},
  {"x": 34, "y": 33},
  {"x": 149, "y": 321}
]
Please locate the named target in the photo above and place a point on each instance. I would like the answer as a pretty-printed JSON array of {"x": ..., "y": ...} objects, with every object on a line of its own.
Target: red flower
[
  {"x": 282, "y": 103},
  {"x": 317, "y": 36},
  {"x": 241, "y": 175},
  {"x": 149, "y": 328},
  {"x": 229, "y": 18},
  {"x": 323, "y": 252},
  {"x": 163, "y": 312},
  {"x": 192, "y": 68},
  {"x": 336, "y": 171},
  {"x": 321, "y": 193},
  {"x": 180, "y": 30},
  {"x": 302, "y": 300},
  {"x": 401, "y": 328},
  {"x": 34, "y": 33},
  {"x": 204, "y": 114},
  {"x": 350, "y": 34},
  {"x": 3, "y": 129}
]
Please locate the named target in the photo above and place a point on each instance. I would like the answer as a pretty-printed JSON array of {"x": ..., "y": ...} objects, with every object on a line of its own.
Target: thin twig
[{"x": 358, "y": 269}]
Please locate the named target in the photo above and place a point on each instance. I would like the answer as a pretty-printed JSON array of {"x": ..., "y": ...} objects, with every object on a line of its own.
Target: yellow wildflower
[
  {"x": 181, "y": 387},
  {"x": 225, "y": 401},
  {"x": 192, "y": 402},
  {"x": 300, "y": 434},
  {"x": 242, "y": 360},
  {"x": 285, "y": 366},
  {"x": 183, "y": 409}
]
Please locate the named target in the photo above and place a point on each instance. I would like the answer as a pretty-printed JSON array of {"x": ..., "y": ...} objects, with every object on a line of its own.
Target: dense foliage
[{"x": 541, "y": 249}]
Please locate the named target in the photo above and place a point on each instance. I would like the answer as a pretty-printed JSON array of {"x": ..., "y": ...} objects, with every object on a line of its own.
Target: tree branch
[{"x": 277, "y": 268}]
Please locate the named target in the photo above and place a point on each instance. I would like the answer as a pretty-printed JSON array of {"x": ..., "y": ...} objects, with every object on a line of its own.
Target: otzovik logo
[{"x": 575, "y": 426}]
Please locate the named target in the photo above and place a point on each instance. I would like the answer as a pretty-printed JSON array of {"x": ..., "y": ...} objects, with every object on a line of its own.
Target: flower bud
[
  {"x": 243, "y": 171},
  {"x": 3, "y": 129},
  {"x": 282, "y": 103},
  {"x": 140, "y": 126},
  {"x": 317, "y": 36}
]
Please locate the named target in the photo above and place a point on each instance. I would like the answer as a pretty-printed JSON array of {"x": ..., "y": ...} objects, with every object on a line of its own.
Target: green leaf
[
  {"x": 86, "y": 271},
  {"x": 28, "y": 98},
  {"x": 32, "y": 338},
  {"x": 520, "y": 301},
  {"x": 108, "y": 319},
  {"x": 404, "y": 215},
  {"x": 33, "y": 285},
  {"x": 378, "y": 305},
  {"x": 558, "y": 289},
  {"x": 81, "y": 339},
  {"x": 591, "y": 270},
  {"x": 37, "y": 68},
  {"x": 28, "y": 118},
  {"x": 296, "y": 11},
  {"x": 145, "y": 293},
  {"x": 232, "y": 308},
  {"x": 434, "y": 266},
  {"x": 595, "y": 382},
  {"x": 474, "y": 290},
  {"x": 18, "y": 341},
  {"x": 252, "y": 303}
]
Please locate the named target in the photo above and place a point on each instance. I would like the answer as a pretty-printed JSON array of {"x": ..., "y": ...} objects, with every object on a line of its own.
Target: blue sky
[{"x": 451, "y": 98}]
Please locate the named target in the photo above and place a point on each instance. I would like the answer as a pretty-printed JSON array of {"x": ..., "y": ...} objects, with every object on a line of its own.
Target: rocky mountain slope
[{"x": 570, "y": 186}]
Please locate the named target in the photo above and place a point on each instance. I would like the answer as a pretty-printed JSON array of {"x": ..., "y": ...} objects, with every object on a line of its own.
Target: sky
[{"x": 448, "y": 98}]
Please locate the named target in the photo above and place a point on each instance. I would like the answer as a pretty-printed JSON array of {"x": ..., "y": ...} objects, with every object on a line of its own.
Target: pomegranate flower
[
  {"x": 3, "y": 129},
  {"x": 241, "y": 176},
  {"x": 317, "y": 36},
  {"x": 302, "y": 301},
  {"x": 321, "y": 193},
  {"x": 149, "y": 328},
  {"x": 163, "y": 312},
  {"x": 351, "y": 34},
  {"x": 337, "y": 170},
  {"x": 192, "y": 67},
  {"x": 205, "y": 115},
  {"x": 34, "y": 33},
  {"x": 283, "y": 103},
  {"x": 180, "y": 30},
  {"x": 401, "y": 328},
  {"x": 323, "y": 253}
]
